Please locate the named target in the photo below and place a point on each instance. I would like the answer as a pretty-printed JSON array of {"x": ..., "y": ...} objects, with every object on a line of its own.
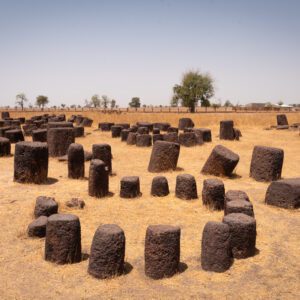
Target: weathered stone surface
[
  {"x": 242, "y": 234},
  {"x": 221, "y": 162},
  {"x": 45, "y": 206},
  {"x": 216, "y": 255},
  {"x": 98, "y": 179},
  {"x": 266, "y": 163},
  {"x": 185, "y": 123},
  {"x": 116, "y": 131},
  {"x": 187, "y": 139},
  {"x": 60, "y": 125},
  {"x": 107, "y": 252},
  {"x": 105, "y": 126},
  {"x": 186, "y": 187},
  {"x": 103, "y": 152},
  {"x": 63, "y": 239},
  {"x": 37, "y": 228},
  {"x": 239, "y": 206},
  {"x": 131, "y": 139},
  {"x": 5, "y": 146},
  {"x": 143, "y": 130},
  {"x": 130, "y": 187},
  {"x": 213, "y": 194},
  {"x": 160, "y": 186},
  {"x": 172, "y": 129},
  {"x": 39, "y": 135},
  {"x": 14, "y": 135},
  {"x": 143, "y": 140},
  {"x": 4, "y": 115},
  {"x": 284, "y": 193},
  {"x": 163, "y": 126},
  {"x": 75, "y": 161},
  {"x": 162, "y": 251},
  {"x": 78, "y": 131},
  {"x": 226, "y": 130},
  {"x": 75, "y": 203},
  {"x": 282, "y": 120},
  {"x": 164, "y": 156},
  {"x": 86, "y": 122},
  {"x": 145, "y": 124},
  {"x": 59, "y": 140},
  {"x": 4, "y": 129},
  {"x": 124, "y": 135},
  {"x": 171, "y": 137},
  {"x": 31, "y": 162}
]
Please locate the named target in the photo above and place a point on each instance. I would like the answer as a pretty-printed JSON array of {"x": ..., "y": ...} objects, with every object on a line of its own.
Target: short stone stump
[
  {"x": 39, "y": 135},
  {"x": 164, "y": 156},
  {"x": 63, "y": 239},
  {"x": 124, "y": 135},
  {"x": 143, "y": 140},
  {"x": 37, "y": 228},
  {"x": 160, "y": 186},
  {"x": 282, "y": 120},
  {"x": 221, "y": 162},
  {"x": 171, "y": 137},
  {"x": 266, "y": 163},
  {"x": 78, "y": 131},
  {"x": 75, "y": 161},
  {"x": 14, "y": 135},
  {"x": 216, "y": 255},
  {"x": 103, "y": 152},
  {"x": 31, "y": 162},
  {"x": 162, "y": 251},
  {"x": 186, "y": 187},
  {"x": 226, "y": 130},
  {"x": 213, "y": 194},
  {"x": 239, "y": 206},
  {"x": 5, "y": 147},
  {"x": 130, "y": 187},
  {"x": 242, "y": 234},
  {"x": 284, "y": 193},
  {"x": 45, "y": 206},
  {"x": 187, "y": 139},
  {"x": 107, "y": 252},
  {"x": 98, "y": 179},
  {"x": 131, "y": 139},
  {"x": 59, "y": 140},
  {"x": 116, "y": 131},
  {"x": 185, "y": 123}
]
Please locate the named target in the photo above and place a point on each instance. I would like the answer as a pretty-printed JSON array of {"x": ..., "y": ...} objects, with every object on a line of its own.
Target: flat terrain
[{"x": 271, "y": 274}]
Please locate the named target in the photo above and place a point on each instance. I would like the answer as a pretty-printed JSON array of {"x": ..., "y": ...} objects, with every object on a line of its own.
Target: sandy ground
[{"x": 271, "y": 274}]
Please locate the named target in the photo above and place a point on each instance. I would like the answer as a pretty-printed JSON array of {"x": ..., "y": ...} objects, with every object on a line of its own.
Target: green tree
[
  {"x": 112, "y": 103},
  {"x": 41, "y": 101},
  {"x": 228, "y": 103},
  {"x": 135, "y": 102},
  {"x": 105, "y": 101},
  {"x": 95, "y": 101},
  {"x": 20, "y": 99},
  {"x": 194, "y": 87}
]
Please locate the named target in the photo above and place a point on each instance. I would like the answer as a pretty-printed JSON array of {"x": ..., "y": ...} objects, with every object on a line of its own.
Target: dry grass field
[{"x": 274, "y": 273}]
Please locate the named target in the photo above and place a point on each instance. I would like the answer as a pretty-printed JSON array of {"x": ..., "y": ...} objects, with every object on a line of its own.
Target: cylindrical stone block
[
  {"x": 107, "y": 252},
  {"x": 78, "y": 131},
  {"x": 226, "y": 130},
  {"x": 131, "y": 139},
  {"x": 59, "y": 140},
  {"x": 162, "y": 251},
  {"x": 124, "y": 135},
  {"x": 63, "y": 239},
  {"x": 187, "y": 139},
  {"x": 75, "y": 161},
  {"x": 221, "y": 162},
  {"x": 143, "y": 140},
  {"x": 266, "y": 163},
  {"x": 171, "y": 137},
  {"x": 216, "y": 255},
  {"x": 4, "y": 146},
  {"x": 103, "y": 152},
  {"x": 164, "y": 156},
  {"x": 185, "y": 123},
  {"x": 130, "y": 187},
  {"x": 239, "y": 206},
  {"x": 45, "y": 206},
  {"x": 116, "y": 131},
  {"x": 242, "y": 234},
  {"x": 31, "y": 162},
  {"x": 15, "y": 135},
  {"x": 157, "y": 137},
  {"x": 186, "y": 187},
  {"x": 143, "y": 130},
  {"x": 213, "y": 194},
  {"x": 59, "y": 125},
  {"x": 39, "y": 135},
  {"x": 160, "y": 186},
  {"x": 98, "y": 179}
]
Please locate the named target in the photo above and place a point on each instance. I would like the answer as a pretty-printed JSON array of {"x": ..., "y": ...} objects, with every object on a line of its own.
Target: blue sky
[{"x": 70, "y": 50}]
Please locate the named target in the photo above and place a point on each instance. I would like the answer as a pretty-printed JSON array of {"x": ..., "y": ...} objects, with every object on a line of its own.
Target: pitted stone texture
[
  {"x": 98, "y": 179},
  {"x": 130, "y": 187},
  {"x": 15, "y": 135},
  {"x": 282, "y": 120},
  {"x": 216, "y": 255},
  {"x": 162, "y": 251},
  {"x": 186, "y": 187},
  {"x": 213, "y": 194},
  {"x": 5, "y": 147},
  {"x": 266, "y": 163},
  {"x": 164, "y": 156},
  {"x": 31, "y": 162},
  {"x": 185, "y": 123},
  {"x": 160, "y": 186},
  {"x": 75, "y": 161},
  {"x": 284, "y": 193},
  {"x": 143, "y": 140},
  {"x": 239, "y": 206},
  {"x": 45, "y": 206},
  {"x": 242, "y": 234},
  {"x": 37, "y": 228},
  {"x": 107, "y": 252},
  {"x": 63, "y": 239},
  {"x": 39, "y": 135},
  {"x": 171, "y": 137},
  {"x": 187, "y": 139},
  {"x": 124, "y": 135},
  {"x": 131, "y": 139},
  {"x": 221, "y": 162},
  {"x": 103, "y": 152},
  {"x": 78, "y": 131},
  {"x": 59, "y": 140},
  {"x": 116, "y": 131}
]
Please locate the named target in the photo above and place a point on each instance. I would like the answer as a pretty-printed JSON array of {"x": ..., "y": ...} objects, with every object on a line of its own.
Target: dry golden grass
[{"x": 271, "y": 274}]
